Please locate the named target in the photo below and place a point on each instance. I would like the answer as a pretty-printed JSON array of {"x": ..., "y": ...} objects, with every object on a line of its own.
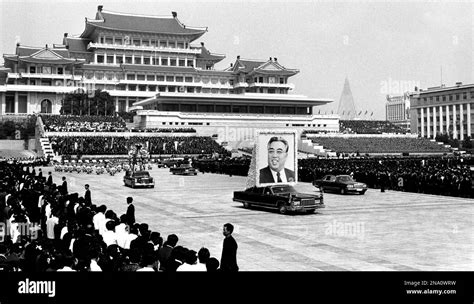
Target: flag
[
  {"x": 359, "y": 113},
  {"x": 343, "y": 112},
  {"x": 372, "y": 114},
  {"x": 367, "y": 111},
  {"x": 319, "y": 112}
]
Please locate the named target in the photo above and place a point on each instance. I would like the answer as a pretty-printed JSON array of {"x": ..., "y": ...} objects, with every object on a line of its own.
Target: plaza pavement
[{"x": 390, "y": 231}]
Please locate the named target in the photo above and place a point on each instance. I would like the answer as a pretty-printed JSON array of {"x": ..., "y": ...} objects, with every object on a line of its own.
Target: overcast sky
[{"x": 381, "y": 47}]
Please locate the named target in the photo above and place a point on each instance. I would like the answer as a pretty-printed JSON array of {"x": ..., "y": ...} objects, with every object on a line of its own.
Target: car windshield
[
  {"x": 283, "y": 189},
  {"x": 141, "y": 174},
  {"x": 345, "y": 178}
]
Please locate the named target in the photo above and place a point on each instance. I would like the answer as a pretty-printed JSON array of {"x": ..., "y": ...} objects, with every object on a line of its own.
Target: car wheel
[
  {"x": 282, "y": 208},
  {"x": 343, "y": 191},
  {"x": 363, "y": 192},
  {"x": 311, "y": 211}
]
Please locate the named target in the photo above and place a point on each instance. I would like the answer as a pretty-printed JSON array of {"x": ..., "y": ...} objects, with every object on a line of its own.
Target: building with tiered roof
[{"x": 151, "y": 65}]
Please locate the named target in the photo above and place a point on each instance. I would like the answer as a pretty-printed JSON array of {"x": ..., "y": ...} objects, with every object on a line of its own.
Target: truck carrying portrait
[{"x": 276, "y": 155}]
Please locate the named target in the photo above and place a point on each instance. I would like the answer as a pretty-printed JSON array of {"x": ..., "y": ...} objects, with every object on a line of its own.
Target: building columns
[
  {"x": 15, "y": 110},
  {"x": 455, "y": 129},
  {"x": 441, "y": 120},
  {"x": 461, "y": 122},
  {"x": 447, "y": 120},
  {"x": 422, "y": 122},
  {"x": 434, "y": 122},
  {"x": 428, "y": 123},
  {"x": 469, "y": 120}
]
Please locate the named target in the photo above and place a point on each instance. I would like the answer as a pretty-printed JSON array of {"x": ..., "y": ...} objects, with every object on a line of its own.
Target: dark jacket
[
  {"x": 131, "y": 214},
  {"x": 229, "y": 255},
  {"x": 87, "y": 197},
  {"x": 64, "y": 188},
  {"x": 267, "y": 177}
]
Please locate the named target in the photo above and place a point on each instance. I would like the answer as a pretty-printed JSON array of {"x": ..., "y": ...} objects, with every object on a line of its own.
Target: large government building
[
  {"x": 443, "y": 110},
  {"x": 397, "y": 110},
  {"x": 151, "y": 65}
]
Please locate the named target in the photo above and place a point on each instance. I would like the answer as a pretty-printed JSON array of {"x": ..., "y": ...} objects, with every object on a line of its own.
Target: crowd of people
[
  {"x": 379, "y": 145},
  {"x": 84, "y": 123},
  {"x": 369, "y": 127},
  {"x": 164, "y": 130},
  {"x": 50, "y": 229},
  {"x": 431, "y": 175},
  {"x": 230, "y": 166},
  {"x": 100, "y": 145}
]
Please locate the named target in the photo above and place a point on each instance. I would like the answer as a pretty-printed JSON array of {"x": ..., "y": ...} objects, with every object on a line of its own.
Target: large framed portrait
[{"x": 276, "y": 157}]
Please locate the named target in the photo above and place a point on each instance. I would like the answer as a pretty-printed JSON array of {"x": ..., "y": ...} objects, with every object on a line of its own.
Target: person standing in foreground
[
  {"x": 229, "y": 250},
  {"x": 130, "y": 211},
  {"x": 87, "y": 196}
]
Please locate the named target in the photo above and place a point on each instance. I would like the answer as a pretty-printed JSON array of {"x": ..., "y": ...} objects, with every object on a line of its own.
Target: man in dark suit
[
  {"x": 87, "y": 196},
  {"x": 276, "y": 172},
  {"x": 229, "y": 250},
  {"x": 49, "y": 182},
  {"x": 64, "y": 186},
  {"x": 130, "y": 211}
]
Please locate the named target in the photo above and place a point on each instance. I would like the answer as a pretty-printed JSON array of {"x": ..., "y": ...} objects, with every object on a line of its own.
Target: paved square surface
[{"x": 390, "y": 231}]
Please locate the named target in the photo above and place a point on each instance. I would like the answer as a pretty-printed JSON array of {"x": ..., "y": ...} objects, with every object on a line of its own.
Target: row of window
[
  {"x": 143, "y": 88},
  {"x": 10, "y": 103},
  {"x": 145, "y": 60},
  {"x": 309, "y": 125},
  {"x": 270, "y": 79},
  {"x": 458, "y": 118},
  {"x": 127, "y": 40},
  {"x": 184, "y": 123},
  {"x": 45, "y": 70},
  {"x": 450, "y": 97}
]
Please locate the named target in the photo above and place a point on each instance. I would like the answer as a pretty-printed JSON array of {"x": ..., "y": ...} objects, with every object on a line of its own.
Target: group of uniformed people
[{"x": 98, "y": 168}]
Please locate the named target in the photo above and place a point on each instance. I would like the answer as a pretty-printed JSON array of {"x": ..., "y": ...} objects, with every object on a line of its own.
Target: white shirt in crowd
[
  {"x": 122, "y": 236},
  {"x": 47, "y": 210},
  {"x": 63, "y": 232},
  {"x": 66, "y": 268},
  {"x": 146, "y": 269},
  {"x": 194, "y": 267},
  {"x": 99, "y": 222},
  {"x": 109, "y": 238},
  {"x": 50, "y": 223},
  {"x": 94, "y": 266}
]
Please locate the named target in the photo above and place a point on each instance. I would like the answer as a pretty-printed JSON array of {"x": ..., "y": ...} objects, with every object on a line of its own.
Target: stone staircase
[
  {"x": 46, "y": 148},
  {"x": 307, "y": 146}
]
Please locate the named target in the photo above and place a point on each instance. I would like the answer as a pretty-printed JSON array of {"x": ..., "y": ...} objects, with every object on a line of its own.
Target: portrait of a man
[{"x": 276, "y": 171}]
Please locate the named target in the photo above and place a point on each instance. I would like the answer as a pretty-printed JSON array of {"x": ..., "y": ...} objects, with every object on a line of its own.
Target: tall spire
[{"x": 346, "y": 109}]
